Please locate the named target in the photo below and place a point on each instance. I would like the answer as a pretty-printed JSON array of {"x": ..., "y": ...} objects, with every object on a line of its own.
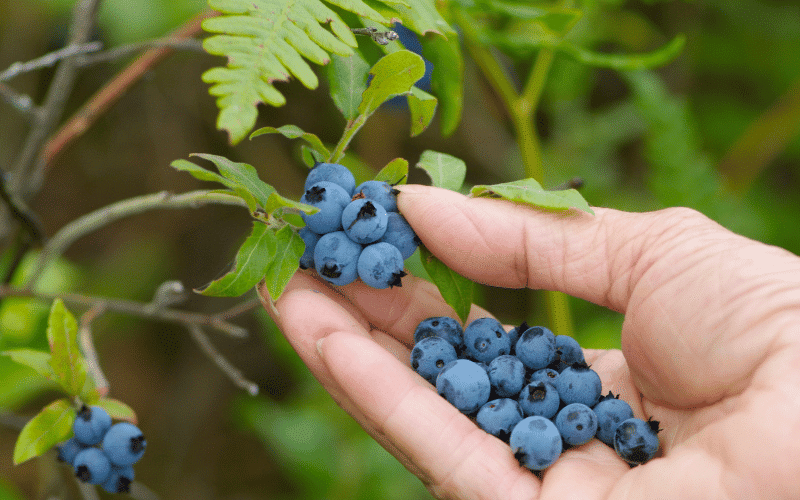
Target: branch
[
  {"x": 87, "y": 346},
  {"x": 21, "y": 102},
  {"x": 49, "y": 59},
  {"x": 227, "y": 368},
  {"x": 93, "y": 221},
  {"x": 117, "y": 53},
  {"x": 134, "y": 308}
]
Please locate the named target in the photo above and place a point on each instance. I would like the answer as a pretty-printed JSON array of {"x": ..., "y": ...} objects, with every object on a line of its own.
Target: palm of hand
[{"x": 710, "y": 344}]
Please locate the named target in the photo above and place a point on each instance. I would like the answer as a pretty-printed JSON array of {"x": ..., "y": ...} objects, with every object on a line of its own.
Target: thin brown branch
[
  {"x": 87, "y": 347},
  {"x": 223, "y": 364},
  {"x": 48, "y": 59},
  {"x": 21, "y": 102},
  {"x": 101, "y": 101},
  {"x": 117, "y": 53}
]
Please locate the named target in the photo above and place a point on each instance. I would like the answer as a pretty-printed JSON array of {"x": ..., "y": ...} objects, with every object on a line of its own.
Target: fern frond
[{"x": 270, "y": 40}]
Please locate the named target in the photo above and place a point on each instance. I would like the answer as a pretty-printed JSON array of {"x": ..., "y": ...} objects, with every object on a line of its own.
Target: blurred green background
[{"x": 716, "y": 130}]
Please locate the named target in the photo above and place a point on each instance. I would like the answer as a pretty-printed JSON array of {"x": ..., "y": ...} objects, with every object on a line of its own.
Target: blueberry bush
[{"x": 111, "y": 253}]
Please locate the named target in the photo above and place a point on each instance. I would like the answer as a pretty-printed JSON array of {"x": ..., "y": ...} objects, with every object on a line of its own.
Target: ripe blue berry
[
  {"x": 610, "y": 412},
  {"x": 69, "y": 449},
  {"x": 441, "y": 326},
  {"x": 330, "y": 199},
  {"x": 380, "y": 192},
  {"x": 399, "y": 233},
  {"x": 91, "y": 425},
  {"x": 514, "y": 334},
  {"x": 310, "y": 238},
  {"x": 92, "y": 466},
  {"x": 577, "y": 424},
  {"x": 336, "y": 258},
  {"x": 381, "y": 266},
  {"x": 464, "y": 384},
  {"x": 636, "y": 440},
  {"x": 569, "y": 351},
  {"x": 430, "y": 355},
  {"x": 540, "y": 399},
  {"x": 124, "y": 444},
  {"x": 544, "y": 375},
  {"x": 536, "y": 347},
  {"x": 579, "y": 384},
  {"x": 507, "y": 375},
  {"x": 485, "y": 339},
  {"x": 119, "y": 479},
  {"x": 364, "y": 221},
  {"x": 536, "y": 443},
  {"x": 332, "y": 172},
  {"x": 498, "y": 417}
]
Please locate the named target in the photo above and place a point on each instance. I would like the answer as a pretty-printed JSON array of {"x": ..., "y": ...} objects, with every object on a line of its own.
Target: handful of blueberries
[
  {"x": 528, "y": 387},
  {"x": 111, "y": 464},
  {"x": 357, "y": 232}
]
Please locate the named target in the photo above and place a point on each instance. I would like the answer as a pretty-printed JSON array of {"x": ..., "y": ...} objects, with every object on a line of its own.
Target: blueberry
[
  {"x": 336, "y": 258},
  {"x": 380, "y": 192},
  {"x": 92, "y": 466},
  {"x": 429, "y": 356},
  {"x": 119, "y": 479},
  {"x": 381, "y": 266},
  {"x": 498, "y": 417},
  {"x": 91, "y": 425},
  {"x": 636, "y": 440},
  {"x": 124, "y": 444},
  {"x": 514, "y": 334},
  {"x": 544, "y": 375},
  {"x": 540, "y": 399},
  {"x": 536, "y": 442},
  {"x": 310, "y": 238},
  {"x": 364, "y": 221},
  {"x": 536, "y": 347},
  {"x": 507, "y": 375},
  {"x": 399, "y": 233},
  {"x": 464, "y": 384},
  {"x": 485, "y": 339},
  {"x": 331, "y": 172},
  {"x": 69, "y": 449},
  {"x": 579, "y": 384},
  {"x": 610, "y": 412},
  {"x": 569, "y": 351},
  {"x": 330, "y": 199},
  {"x": 441, "y": 326},
  {"x": 577, "y": 424}
]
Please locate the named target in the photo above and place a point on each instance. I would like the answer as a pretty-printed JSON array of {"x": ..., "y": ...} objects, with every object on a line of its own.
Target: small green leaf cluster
[{"x": 65, "y": 365}]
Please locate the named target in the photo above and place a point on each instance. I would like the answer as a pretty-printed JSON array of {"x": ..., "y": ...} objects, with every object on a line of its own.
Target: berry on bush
[
  {"x": 91, "y": 425},
  {"x": 331, "y": 172},
  {"x": 399, "y": 233},
  {"x": 124, "y": 444},
  {"x": 69, "y": 449},
  {"x": 380, "y": 192},
  {"x": 381, "y": 266},
  {"x": 92, "y": 466},
  {"x": 330, "y": 199},
  {"x": 364, "y": 221},
  {"x": 336, "y": 258},
  {"x": 119, "y": 479},
  {"x": 310, "y": 238}
]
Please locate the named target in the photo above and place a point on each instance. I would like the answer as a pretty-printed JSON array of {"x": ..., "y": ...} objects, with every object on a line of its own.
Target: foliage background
[{"x": 716, "y": 131}]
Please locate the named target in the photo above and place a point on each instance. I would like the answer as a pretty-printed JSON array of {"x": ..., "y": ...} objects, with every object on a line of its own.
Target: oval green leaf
[
  {"x": 117, "y": 409},
  {"x": 529, "y": 192},
  {"x": 295, "y": 132},
  {"x": 289, "y": 248},
  {"x": 67, "y": 361},
  {"x": 445, "y": 171},
  {"x": 38, "y": 360},
  {"x": 395, "y": 172},
  {"x": 51, "y": 426},
  {"x": 422, "y": 106},
  {"x": 347, "y": 77},
  {"x": 626, "y": 61},
  {"x": 456, "y": 290},
  {"x": 393, "y": 74}
]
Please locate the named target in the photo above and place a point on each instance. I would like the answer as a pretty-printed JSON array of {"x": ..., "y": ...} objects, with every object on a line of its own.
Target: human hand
[{"x": 710, "y": 348}]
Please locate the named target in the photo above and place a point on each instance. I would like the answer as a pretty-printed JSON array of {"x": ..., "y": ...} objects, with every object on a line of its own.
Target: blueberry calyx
[
  {"x": 85, "y": 413},
  {"x": 315, "y": 194},
  {"x": 83, "y": 473},
  {"x": 137, "y": 444},
  {"x": 608, "y": 396},
  {"x": 330, "y": 270},
  {"x": 395, "y": 279},
  {"x": 654, "y": 425},
  {"x": 367, "y": 211}
]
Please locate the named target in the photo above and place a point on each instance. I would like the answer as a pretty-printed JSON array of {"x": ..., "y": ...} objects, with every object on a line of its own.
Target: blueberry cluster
[
  {"x": 528, "y": 387},
  {"x": 102, "y": 453},
  {"x": 357, "y": 232}
]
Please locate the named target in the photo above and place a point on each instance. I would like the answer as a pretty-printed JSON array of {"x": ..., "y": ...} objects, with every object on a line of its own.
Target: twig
[
  {"x": 103, "y": 99},
  {"x": 133, "y": 308},
  {"x": 49, "y": 59},
  {"x": 240, "y": 309},
  {"x": 116, "y": 53},
  {"x": 20, "y": 211},
  {"x": 21, "y": 102},
  {"x": 227, "y": 368},
  {"x": 108, "y": 214},
  {"x": 87, "y": 346}
]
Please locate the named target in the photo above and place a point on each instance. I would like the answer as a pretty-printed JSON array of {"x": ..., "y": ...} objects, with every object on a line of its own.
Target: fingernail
[{"x": 319, "y": 346}]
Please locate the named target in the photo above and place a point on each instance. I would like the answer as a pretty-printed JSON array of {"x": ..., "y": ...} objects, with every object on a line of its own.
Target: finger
[{"x": 452, "y": 455}]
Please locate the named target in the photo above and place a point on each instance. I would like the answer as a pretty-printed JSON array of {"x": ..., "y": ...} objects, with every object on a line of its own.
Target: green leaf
[
  {"x": 395, "y": 172},
  {"x": 38, "y": 360},
  {"x": 51, "y": 426},
  {"x": 455, "y": 289},
  {"x": 117, "y": 409},
  {"x": 241, "y": 175},
  {"x": 295, "y": 132},
  {"x": 530, "y": 192},
  {"x": 422, "y": 106},
  {"x": 206, "y": 175},
  {"x": 420, "y": 16},
  {"x": 310, "y": 156},
  {"x": 270, "y": 40},
  {"x": 626, "y": 61},
  {"x": 447, "y": 79},
  {"x": 252, "y": 260},
  {"x": 67, "y": 361},
  {"x": 277, "y": 201},
  {"x": 393, "y": 74},
  {"x": 286, "y": 260},
  {"x": 445, "y": 171},
  {"x": 348, "y": 81}
]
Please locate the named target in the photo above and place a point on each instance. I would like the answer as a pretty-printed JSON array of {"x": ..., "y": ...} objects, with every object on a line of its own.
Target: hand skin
[{"x": 710, "y": 348}]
